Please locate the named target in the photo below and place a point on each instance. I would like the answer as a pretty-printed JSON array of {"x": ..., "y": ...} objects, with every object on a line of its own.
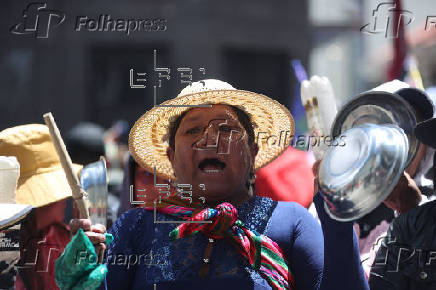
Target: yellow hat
[
  {"x": 42, "y": 179},
  {"x": 148, "y": 139}
]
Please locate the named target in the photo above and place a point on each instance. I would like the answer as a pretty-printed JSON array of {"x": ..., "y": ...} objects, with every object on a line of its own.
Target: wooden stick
[{"x": 67, "y": 165}]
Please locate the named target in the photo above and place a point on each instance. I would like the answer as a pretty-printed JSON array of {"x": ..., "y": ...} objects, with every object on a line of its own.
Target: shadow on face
[{"x": 212, "y": 151}]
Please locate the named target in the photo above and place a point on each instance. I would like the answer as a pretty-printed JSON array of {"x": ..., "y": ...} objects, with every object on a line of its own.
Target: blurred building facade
[
  {"x": 85, "y": 75},
  {"x": 356, "y": 61}
]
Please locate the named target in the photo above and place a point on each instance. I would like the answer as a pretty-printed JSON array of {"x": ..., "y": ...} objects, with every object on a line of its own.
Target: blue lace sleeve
[
  {"x": 126, "y": 248},
  {"x": 342, "y": 267},
  {"x": 302, "y": 241}
]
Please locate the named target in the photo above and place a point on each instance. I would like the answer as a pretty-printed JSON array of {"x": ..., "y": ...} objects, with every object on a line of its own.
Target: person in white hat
[
  {"x": 11, "y": 214},
  {"x": 10, "y": 211}
]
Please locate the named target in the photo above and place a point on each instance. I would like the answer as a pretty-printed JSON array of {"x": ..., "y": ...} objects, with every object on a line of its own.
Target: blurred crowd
[{"x": 35, "y": 232}]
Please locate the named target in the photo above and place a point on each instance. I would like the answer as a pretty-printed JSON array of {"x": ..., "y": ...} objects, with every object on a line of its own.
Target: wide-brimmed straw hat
[
  {"x": 42, "y": 179},
  {"x": 10, "y": 212},
  {"x": 148, "y": 139}
]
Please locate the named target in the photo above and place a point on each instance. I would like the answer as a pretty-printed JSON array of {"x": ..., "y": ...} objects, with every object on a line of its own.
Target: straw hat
[
  {"x": 10, "y": 212},
  {"x": 42, "y": 179},
  {"x": 148, "y": 139}
]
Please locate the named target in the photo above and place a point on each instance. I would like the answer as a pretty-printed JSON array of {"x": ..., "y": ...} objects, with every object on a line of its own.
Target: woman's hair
[{"x": 243, "y": 118}]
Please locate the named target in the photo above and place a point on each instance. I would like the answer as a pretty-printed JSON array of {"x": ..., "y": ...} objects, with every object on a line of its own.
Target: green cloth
[{"x": 78, "y": 267}]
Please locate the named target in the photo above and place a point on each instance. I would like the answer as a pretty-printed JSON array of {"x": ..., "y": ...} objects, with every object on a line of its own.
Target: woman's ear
[
  {"x": 170, "y": 154},
  {"x": 254, "y": 150}
]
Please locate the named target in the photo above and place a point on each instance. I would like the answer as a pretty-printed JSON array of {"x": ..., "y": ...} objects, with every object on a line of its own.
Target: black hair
[{"x": 243, "y": 118}]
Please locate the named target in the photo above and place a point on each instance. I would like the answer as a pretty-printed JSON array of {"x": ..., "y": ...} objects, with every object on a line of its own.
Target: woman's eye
[{"x": 193, "y": 130}]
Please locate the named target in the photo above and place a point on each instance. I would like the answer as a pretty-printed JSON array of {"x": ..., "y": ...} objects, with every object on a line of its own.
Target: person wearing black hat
[
  {"x": 423, "y": 107},
  {"x": 407, "y": 256},
  {"x": 412, "y": 188},
  {"x": 85, "y": 142},
  {"x": 426, "y": 132}
]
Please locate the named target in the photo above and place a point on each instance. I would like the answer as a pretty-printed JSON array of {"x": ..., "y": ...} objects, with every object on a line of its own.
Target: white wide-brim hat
[{"x": 10, "y": 212}]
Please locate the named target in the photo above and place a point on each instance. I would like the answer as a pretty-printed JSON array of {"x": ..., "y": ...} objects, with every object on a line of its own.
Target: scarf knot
[{"x": 221, "y": 218}]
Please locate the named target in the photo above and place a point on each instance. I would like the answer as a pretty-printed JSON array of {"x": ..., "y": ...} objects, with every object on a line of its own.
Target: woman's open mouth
[{"x": 211, "y": 165}]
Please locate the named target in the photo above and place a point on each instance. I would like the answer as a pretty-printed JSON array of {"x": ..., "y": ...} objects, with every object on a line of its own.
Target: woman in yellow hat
[
  {"x": 42, "y": 191},
  {"x": 207, "y": 230}
]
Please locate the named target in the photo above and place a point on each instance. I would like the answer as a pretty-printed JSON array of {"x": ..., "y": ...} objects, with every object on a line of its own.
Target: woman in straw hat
[{"x": 208, "y": 230}]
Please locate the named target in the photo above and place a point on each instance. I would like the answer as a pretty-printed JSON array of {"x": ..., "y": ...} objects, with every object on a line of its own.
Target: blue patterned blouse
[{"x": 142, "y": 256}]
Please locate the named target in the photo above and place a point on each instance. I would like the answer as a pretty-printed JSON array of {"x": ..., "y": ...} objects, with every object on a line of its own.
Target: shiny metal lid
[
  {"x": 93, "y": 179},
  {"x": 356, "y": 177}
]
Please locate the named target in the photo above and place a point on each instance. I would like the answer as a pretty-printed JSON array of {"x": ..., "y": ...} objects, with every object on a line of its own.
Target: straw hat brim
[
  {"x": 10, "y": 214},
  {"x": 44, "y": 187},
  {"x": 148, "y": 139}
]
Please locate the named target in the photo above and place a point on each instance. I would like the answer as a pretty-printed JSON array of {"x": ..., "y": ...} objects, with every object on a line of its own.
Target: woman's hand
[
  {"x": 406, "y": 195},
  {"x": 95, "y": 233}
]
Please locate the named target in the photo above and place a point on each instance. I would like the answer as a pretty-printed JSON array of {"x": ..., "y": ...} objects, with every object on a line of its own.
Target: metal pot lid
[
  {"x": 380, "y": 108},
  {"x": 355, "y": 178},
  {"x": 93, "y": 179}
]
